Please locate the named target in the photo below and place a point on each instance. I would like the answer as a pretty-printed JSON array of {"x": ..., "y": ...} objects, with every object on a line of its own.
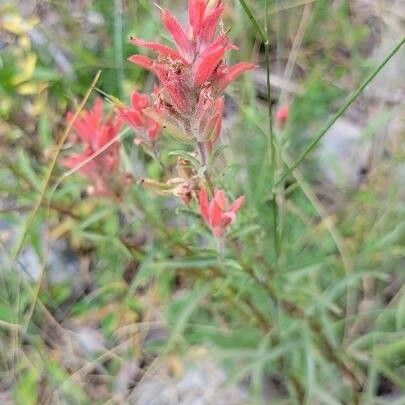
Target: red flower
[
  {"x": 94, "y": 132},
  {"x": 197, "y": 62},
  {"x": 218, "y": 213},
  {"x": 134, "y": 116}
]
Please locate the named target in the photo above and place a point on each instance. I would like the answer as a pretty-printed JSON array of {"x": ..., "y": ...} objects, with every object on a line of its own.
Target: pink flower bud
[{"x": 282, "y": 115}]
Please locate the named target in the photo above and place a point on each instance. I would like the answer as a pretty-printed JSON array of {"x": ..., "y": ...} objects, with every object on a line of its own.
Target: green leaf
[
  {"x": 26, "y": 390},
  {"x": 180, "y": 312}
]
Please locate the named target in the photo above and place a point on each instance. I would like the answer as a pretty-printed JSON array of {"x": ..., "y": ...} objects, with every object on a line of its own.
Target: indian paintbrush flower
[
  {"x": 188, "y": 103},
  {"x": 93, "y": 131},
  {"x": 145, "y": 127},
  {"x": 194, "y": 76},
  {"x": 218, "y": 213}
]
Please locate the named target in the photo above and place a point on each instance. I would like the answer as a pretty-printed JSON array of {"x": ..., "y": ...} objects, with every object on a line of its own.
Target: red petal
[
  {"x": 84, "y": 130},
  {"x": 213, "y": 129},
  {"x": 210, "y": 24},
  {"x": 142, "y": 61},
  {"x": 104, "y": 135},
  {"x": 153, "y": 130},
  {"x": 179, "y": 36},
  {"x": 98, "y": 110},
  {"x": 72, "y": 161},
  {"x": 209, "y": 61},
  {"x": 215, "y": 214},
  {"x": 158, "y": 48},
  {"x": 132, "y": 118},
  {"x": 196, "y": 11},
  {"x": 221, "y": 200},
  {"x": 75, "y": 160},
  {"x": 237, "y": 204},
  {"x": 171, "y": 82},
  {"x": 233, "y": 73},
  {"x": 203, "y": 202},
  {"x": 139, "y": 100}
]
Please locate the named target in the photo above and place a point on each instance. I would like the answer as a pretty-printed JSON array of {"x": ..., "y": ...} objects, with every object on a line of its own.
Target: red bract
[
  {"x": 93, "y": 131},
  {"x": 210, "y": 119},
  {"x": 218, "y": 213},
  {"x": 135, "y": 116},
  {"x": 195, "y": 73}
]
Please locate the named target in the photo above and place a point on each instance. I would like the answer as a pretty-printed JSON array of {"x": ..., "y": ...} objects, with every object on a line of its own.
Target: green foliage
[{"x": 321, "y": 315}]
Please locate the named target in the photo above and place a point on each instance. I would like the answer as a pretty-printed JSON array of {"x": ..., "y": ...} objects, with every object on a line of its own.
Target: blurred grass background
[{"x": 130, "y": 302}]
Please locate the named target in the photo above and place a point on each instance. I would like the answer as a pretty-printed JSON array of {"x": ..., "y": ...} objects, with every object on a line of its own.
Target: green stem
[
  {"x": 272, "y": 147},
  {"x": 42, "y": 193},
  {"x": 341, "y": 111},
  {"x": 253, "y": 20}
]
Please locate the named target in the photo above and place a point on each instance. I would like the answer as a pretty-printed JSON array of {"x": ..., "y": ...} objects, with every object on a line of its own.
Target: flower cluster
[
  {"x": 194, "y": 76},
  {"x": 99, "y": 158},
  {"x": 188, "y": 102},
  {"x": 218, "y": 213}
]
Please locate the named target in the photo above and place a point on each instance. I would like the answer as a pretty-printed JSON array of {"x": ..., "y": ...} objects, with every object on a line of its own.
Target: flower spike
[{"x": 189, "y": 102}]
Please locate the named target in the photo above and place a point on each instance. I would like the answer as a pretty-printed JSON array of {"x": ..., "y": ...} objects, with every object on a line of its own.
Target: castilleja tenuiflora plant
[{"x": 188, "y": 103}]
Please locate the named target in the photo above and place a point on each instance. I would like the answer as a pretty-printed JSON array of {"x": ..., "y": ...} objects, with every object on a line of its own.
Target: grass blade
[
  {"x": 253, "y": 20},
  {"x": 341, "y": 111},
  {"x": 51, "y": 167}
]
